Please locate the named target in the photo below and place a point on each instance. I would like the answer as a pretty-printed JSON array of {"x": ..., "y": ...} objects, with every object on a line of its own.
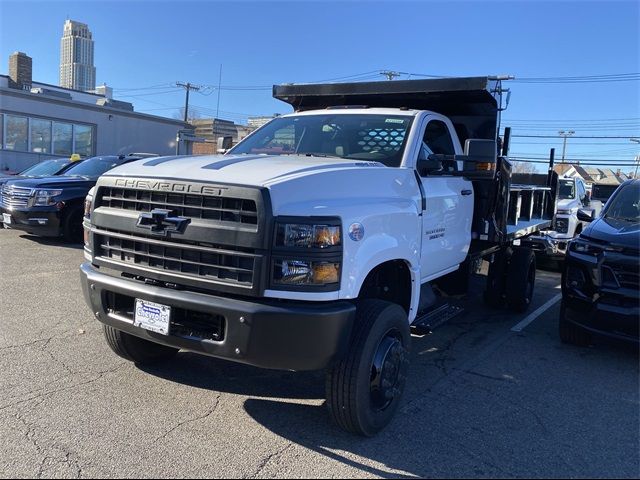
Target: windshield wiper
[{"x": 625, "y": 219}]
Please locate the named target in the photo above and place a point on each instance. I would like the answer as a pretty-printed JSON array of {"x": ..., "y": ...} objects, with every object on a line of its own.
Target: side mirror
[
  {"x": 428, "y": 165},
  {"x": 477, "y": 147},
  {"x": 481, "y": 155},
  {"x": 586, "y": 215}
]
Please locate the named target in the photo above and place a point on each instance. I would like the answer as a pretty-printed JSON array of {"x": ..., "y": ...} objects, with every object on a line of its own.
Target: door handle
[{"x": 466, "y": 192}]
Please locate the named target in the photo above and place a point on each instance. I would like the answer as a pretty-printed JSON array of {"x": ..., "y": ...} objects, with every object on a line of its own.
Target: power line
[{"x": 576, "y": 136}]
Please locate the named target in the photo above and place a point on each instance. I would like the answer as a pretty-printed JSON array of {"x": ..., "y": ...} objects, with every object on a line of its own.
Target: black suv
[
  {"x": 601, "y": 277},
  {"x": 53, "y": 206}
]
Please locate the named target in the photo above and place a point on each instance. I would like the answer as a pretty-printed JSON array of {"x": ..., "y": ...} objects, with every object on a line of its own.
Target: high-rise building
[
  {"x": 20, "y": 70},
  {"x": 76, "y": 57}
]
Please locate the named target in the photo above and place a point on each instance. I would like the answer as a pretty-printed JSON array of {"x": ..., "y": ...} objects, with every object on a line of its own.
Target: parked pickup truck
[
  {"x": 320, "y": 240},
  {"x": 572, "y": 198},
  {"x": 53, "y": 205}
]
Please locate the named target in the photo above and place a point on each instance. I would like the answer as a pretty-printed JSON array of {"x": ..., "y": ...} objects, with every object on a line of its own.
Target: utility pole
[
  {"x": 564, "y": 134},
  {"x": 389, "y": 74},
  {"x": 219, "y": 86},
  {"x": 636, "y": 140},
  {"x": 188, "y": 87}
]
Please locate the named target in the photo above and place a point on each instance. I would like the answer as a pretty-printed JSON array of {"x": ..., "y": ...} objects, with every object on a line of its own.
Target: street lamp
[
  {"x": 635, "y": 175},
  {"x": 564, "y": 134}
]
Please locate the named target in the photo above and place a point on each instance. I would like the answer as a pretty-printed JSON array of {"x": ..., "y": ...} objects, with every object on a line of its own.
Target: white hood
[{"x": 250, "y": 170}]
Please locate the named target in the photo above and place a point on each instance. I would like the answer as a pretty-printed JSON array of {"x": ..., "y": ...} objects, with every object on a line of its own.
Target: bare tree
[
  {"x": 192, "y": 115},
  {"x": 523, "y": 167}
]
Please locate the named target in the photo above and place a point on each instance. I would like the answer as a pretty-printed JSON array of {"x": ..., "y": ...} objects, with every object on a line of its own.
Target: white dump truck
[{"x": 321, "y": 240}]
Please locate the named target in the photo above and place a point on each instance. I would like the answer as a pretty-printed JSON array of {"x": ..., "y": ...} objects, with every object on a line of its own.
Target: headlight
[
  {"x": 307, "y": 252},
  {"x": 302, "y": 235},
  {"x": 44, "y": 198},
  {"x": 564, "y": 212},
  {"x": 306, "y": 272},
  {"x": 585, "y": 248},
  {"x": 88, "y": 201}
]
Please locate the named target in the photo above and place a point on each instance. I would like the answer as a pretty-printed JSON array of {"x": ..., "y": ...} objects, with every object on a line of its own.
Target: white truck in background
[
  {"x": 321, "y": 240},
  {"x": 573, "y": 213}
]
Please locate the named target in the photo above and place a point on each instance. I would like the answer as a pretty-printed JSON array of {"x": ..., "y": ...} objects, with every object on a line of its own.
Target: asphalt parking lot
[{"x": 482, "y": 401}]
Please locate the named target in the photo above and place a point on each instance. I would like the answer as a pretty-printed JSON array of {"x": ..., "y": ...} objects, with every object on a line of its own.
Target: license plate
[
  {"x": 152, "y": 316},
  {"x": 6, "y": 218}
]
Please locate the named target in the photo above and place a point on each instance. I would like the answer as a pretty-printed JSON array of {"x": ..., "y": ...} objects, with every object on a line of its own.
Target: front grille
[
  {"x": 627, "y": 276},
  {"x": 221, "y": 209},
  {"x": 184, "y": 323},
  {"x": 205, "y": 262},
  {"x": 562, "y": 225},
  {"x": 15, "y": 197}
]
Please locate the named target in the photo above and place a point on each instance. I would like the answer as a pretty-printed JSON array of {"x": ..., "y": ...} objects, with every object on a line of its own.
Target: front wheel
[
  {"x": 135, "y": 349},
  {"x": 571, "y": 333},
  {"x": 72, "y": 226},
  {"x": 364, "y": 389}
]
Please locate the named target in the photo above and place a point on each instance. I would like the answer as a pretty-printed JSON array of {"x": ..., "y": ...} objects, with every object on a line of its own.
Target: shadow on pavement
[
  {"x": 52, "y": 241},
  {"x": 209, "y": 373}
]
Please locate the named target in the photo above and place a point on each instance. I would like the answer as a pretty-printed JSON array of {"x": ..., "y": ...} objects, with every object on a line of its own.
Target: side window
[{"x": 438, "y": 140}]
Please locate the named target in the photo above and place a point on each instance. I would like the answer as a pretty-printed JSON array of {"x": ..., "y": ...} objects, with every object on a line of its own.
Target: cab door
[{"x": 446, "y": 221}]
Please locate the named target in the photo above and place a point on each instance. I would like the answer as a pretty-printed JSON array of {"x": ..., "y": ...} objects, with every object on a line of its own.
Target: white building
[{"x": 76, "y": 57}]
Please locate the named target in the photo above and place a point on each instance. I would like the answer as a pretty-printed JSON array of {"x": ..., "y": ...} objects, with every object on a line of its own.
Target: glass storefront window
[
  {"x": 40, "y": 135},
  {"x": 62, "y": 138},
  {"x": 17, "y": 129},
  {"x": 83, "y": 140}
]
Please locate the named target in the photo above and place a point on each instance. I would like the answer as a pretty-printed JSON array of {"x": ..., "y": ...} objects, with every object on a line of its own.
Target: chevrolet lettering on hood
[{"x": 164, "y": 186}]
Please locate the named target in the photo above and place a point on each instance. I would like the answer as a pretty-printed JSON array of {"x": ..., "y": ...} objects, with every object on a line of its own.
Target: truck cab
[
  {"x": 572, "y": 198},
  {"x": 319, "y": 240}
]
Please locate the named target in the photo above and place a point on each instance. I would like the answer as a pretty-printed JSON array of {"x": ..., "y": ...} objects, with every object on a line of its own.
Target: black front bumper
[
  {"x": 277, "y": 335},
  {"x": 44, "y": 221},
  {"x": 593, "y": 304}
]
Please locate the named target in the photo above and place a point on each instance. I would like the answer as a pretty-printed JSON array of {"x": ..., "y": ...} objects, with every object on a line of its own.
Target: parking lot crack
[
  {"x": 265, "y": 461},
  {"x": 207, "y": 414}
]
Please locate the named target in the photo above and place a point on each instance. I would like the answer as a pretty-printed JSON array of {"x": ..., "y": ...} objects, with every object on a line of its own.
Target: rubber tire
[
  {"x": 135, "y": 349},
  {"x": 348, "y": 382},
  {"x": 72, "y": 226},
  {"x": 521, "y": 271},
  {"x": 571, "y": 333},
  {"x": 496, "y": 280}
]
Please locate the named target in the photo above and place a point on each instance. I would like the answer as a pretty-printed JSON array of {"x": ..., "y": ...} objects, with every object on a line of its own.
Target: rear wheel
[
  {"x": 72, "y": 225},
  {"x": 570, "y": 332},
  {"x": 364, "y": 389},
  {"x": 496, "y": 279},
  {"x": 521, "y": 278},
  {"x": 137, "y": 350}
]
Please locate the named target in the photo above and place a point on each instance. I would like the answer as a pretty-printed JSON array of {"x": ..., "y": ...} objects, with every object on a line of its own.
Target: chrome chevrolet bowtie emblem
[{"x": 161, "y": 222}]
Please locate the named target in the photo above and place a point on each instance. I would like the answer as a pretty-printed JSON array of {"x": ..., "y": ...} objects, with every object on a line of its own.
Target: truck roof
[
  {"x": 471, "y": 103},
  {"x": 344, "y": 111}
]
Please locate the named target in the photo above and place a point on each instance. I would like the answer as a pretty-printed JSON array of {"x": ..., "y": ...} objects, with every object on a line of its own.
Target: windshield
[
  {"x": 373, "y": 137},
  {"x": 603, "y": 192},
  {"x": 567, "y": 190},
  {"x": 94, "y": 167},
  {"x": 48, "y": 167},
  {"x": 625, "y": 205}
]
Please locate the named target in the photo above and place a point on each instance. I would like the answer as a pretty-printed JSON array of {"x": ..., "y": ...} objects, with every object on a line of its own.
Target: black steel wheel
[{"x": 364, "y": 388}]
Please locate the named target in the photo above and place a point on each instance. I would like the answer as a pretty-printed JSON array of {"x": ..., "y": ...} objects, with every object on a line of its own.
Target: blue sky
[{"x": 143, "y": 48}]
